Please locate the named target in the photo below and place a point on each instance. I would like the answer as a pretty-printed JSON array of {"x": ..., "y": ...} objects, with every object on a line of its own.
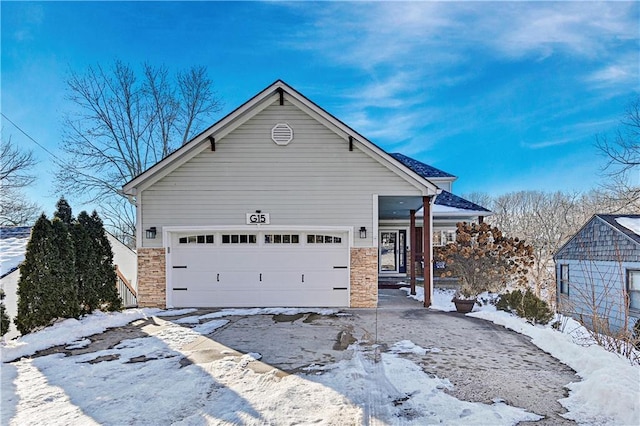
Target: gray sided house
[
  {"x": 281, "y": 204},
  {"x": 598, "y": 273}
]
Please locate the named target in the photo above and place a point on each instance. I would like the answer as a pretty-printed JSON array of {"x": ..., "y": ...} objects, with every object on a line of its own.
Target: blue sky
[{"x": 507, "y": 95}]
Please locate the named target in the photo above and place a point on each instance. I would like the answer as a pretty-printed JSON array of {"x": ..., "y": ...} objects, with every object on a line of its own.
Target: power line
[{"x": 55, "y": 157}]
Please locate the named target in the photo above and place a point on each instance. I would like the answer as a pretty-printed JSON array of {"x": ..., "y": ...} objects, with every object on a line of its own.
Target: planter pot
[{"x": 464, "y": 306}]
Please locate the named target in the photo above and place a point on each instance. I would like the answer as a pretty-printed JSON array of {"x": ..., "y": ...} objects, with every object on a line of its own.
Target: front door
[{"x": 393, "y": 256}]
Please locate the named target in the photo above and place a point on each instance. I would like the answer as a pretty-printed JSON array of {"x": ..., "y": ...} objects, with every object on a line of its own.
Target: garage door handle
[
  {"x": 218, "y": 277},
  {"x": 260, "y": 277},
  {"x": 302, "y": 277}
]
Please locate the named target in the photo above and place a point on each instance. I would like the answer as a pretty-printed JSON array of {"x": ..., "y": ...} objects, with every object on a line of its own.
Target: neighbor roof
[
  {"x": 14, "y": 232},
  {"x": 424, "y": 170},
  {"x": 611, "y": 220}
]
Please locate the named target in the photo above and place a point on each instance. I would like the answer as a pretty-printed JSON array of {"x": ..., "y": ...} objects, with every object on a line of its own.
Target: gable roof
[
  {"x": 252, "y": 107},
  {"x": 611, "y": 220},
  {"x": 608, "y": 219},
  {"x": 445, "y": 198},
  {"x": 424, "y": 170}
]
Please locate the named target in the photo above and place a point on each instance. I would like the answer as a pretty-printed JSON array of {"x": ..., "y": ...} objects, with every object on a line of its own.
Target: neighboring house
[
  {"x": 281, "y": 204},
  {"x": 13, "y": 246},
  {"x": 126, "y": 263},
  {"x": 598, "y": 272}
]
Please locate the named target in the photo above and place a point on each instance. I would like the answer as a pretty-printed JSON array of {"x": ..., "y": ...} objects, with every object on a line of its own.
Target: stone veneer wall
[
  {"x": 152, "y": 281},
  {"x": 364, "y": 277}
]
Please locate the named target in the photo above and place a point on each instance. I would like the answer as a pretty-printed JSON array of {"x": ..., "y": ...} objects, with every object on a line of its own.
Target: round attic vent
[{"x": 282, "y": 134}]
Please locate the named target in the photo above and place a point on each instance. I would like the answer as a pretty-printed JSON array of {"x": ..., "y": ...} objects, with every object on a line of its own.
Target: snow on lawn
[
  {"x": 144, "y": 381},
  {"x": 441, "y": 298},
  {"x": 70, "y": 331},
  {"x": 12, "y": 252}
]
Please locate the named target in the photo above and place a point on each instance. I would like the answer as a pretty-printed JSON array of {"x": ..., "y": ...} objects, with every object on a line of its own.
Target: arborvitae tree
[
  {"x": 100, "y": 280},
  {"x": 63, "y": 212},
  {"x": 86, "y": 266},
  {"x": 64, "y": 270},
  {"x": 5, "y": 321},
  {"x": 36, "y": 283}
]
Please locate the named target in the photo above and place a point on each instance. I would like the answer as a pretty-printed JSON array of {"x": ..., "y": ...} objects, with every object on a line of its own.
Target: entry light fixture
[
  {"x": 363, "y": 232},
  {"x": 151, "y": 233}
]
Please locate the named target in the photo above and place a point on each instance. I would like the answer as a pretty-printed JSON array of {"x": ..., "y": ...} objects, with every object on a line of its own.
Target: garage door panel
[
  {"x": 211, "y": 280},
  {"x": 260, "y": 274},
  {"x": 217, "y": 298},
  {"x": 315, "y": 298}
]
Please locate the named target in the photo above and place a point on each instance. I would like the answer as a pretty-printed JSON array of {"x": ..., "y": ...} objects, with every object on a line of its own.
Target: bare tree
[
  {"x": 546, "y": 221},
  {"x": 622, "y": 151},
  {"x": 15, "y": 175},
  {"x": 122, "y": 124},
  {"x": 15, "y": 166}
]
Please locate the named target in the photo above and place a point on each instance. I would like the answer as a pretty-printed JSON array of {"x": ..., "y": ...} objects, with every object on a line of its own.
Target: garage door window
[
  {"x": 196, "y": 239},
  {"x": 239, "y": 239},
  {"x": 323, "y": 239},
  {"x": 282, "y": 239}
]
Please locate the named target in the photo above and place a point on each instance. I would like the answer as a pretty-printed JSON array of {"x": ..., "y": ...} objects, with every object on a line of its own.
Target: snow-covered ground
[
  {"x": 110, "y": 387},
  {"x": 12, "y": 252}
]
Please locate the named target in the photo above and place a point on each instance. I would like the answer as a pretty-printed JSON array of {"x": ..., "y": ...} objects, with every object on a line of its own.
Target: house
[
  {"x": 282, "y": 204},
  {"x": 13, "y": 246},
  {"x": 598, "y": 273}
]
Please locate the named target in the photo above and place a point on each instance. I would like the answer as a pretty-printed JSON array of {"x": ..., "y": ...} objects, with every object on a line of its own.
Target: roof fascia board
[
  {"x": 399, "y": 168},
  {"x": 618, "y": 230},
  {"x": 248, "y": 110},
  {"x": 594, "y": 217},
  {"x": 370, "y": 148},
  {"x": 573, "y": 237},
  {"x": 219, "y": 130}
]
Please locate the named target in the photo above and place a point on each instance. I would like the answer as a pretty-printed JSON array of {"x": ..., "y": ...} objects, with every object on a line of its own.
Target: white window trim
[{"x": 628, "y": 287}]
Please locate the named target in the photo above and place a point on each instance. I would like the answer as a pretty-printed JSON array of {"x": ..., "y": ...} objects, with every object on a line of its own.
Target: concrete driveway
[{"x": 483, "y": 361}]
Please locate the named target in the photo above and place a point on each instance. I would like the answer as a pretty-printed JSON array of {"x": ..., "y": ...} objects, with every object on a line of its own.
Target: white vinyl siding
[{"x": 313, "y": 181}]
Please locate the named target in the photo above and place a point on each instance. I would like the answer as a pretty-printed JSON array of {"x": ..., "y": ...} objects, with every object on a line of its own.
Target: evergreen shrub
[
  {"x": 5, "y": 321},
  {"x": 526, "y": 305}
]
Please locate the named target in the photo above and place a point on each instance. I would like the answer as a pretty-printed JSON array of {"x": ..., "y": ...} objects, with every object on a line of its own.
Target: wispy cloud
[
  {"x": 31, "y": 18},
  {"x": 621, "y": 75},
  {"x": 405, "y": 51}
]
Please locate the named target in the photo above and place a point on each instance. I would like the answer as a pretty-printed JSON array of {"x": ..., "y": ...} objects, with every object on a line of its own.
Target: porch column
[
  {"x": 427, "y": 249},
  {"x": 412, "y": 250}
]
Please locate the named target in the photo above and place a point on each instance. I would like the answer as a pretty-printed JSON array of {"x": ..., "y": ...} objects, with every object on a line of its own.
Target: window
[
  {"x": 323, "y": 239},
  {"x": 239, "y": 239},
  {"x": 441, "y": 238},
  {"x": 282, "y": 239},
  {"x": 564, "y": 279},
  {"x": 196, "y": 239},
  {"x": 633, "y": 287}
]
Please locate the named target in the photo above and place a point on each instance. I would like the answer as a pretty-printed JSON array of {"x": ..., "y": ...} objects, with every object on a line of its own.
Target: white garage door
[{"x": 259, "y": 269}]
